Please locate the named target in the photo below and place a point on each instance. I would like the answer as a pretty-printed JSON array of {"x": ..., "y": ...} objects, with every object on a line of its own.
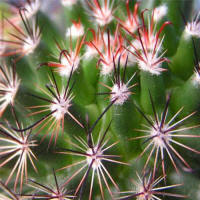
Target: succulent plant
[{"x": 104, "y": 93}]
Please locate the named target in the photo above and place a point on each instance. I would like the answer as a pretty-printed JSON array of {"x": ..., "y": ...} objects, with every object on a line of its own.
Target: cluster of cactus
[{"x": 99, "y": 100}]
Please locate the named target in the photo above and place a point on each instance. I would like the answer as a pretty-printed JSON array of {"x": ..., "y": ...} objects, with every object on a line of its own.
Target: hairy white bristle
[
  {"x": 68, "y": 3},
  {"x": 76, "y": 30},
  {"x": 150, "y": 64},
  {"x": 104, "y": 19},
  {"x": 160, "y": 137},
  {"x": 94, "y": 155},
  {"x": 196, "y": 79},
  {"x": 32, "y": 8},
  {"x": 69, "y": 62},
  {"x": 193, "y": 28},
  {"x": 160, "y": 12},
  {"x": 120, "y": 93},
  {"x": 30, "y": 45},
  {"x": 106, "y": 68},
  {"x": 61, "y": 107}
]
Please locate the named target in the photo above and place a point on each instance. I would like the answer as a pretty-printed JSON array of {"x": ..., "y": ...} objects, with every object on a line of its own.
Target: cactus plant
[{"x": 99, "y": 99}]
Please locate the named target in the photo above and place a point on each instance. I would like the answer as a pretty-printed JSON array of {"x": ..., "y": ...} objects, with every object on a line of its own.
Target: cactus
[{"x": 99, "y": 99}]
